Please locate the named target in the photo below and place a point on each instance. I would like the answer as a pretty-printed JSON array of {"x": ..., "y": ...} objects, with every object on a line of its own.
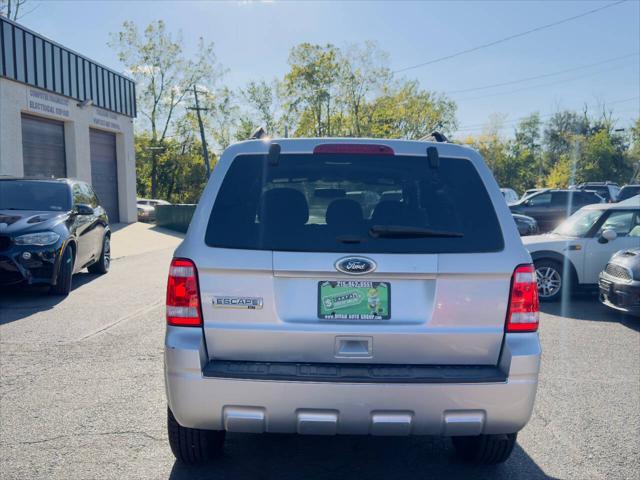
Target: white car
[
  {"x": 510, "y": 195},
  {"x": 578, "y": 249}
]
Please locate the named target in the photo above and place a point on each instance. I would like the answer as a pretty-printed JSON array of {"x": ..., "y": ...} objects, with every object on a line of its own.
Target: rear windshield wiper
[{"x": 399, "y": 231}]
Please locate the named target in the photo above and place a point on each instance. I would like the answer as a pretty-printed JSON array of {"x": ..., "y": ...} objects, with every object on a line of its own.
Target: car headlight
[{"x": 39, "y": 239}]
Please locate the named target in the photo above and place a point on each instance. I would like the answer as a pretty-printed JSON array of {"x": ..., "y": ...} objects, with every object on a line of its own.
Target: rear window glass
[
  {"x": 355, "y": 204},
  {"x": 34, "y": 195}
]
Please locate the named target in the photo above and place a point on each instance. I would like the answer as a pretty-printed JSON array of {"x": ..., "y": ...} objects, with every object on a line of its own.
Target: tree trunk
[{"x": 154, "y": 174}]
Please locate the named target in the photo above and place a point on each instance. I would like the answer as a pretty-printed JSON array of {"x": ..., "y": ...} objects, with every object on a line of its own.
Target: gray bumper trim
[{"x": 353, "y": 373}]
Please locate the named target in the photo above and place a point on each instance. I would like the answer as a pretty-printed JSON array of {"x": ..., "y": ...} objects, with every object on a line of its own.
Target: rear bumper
[{"x": 317, "y": 407}]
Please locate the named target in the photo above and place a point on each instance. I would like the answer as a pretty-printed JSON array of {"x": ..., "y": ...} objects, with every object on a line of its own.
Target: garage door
[
  {"x": 104, "y": 171},
  {"x": 43, "y": 147}
]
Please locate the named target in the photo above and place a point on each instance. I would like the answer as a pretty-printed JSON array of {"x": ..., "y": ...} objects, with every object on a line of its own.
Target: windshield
[
  {"x": 578, "y": 224},
  {"x": 34, "y": 195},
  {"x": 354, "y": 203}
]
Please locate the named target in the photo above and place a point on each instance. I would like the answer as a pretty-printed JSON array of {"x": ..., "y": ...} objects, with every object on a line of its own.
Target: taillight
[
  {"x": 523, "y": 301},
  {"x": 183, "y": 295},
  {"x": 353, "y": 149}
]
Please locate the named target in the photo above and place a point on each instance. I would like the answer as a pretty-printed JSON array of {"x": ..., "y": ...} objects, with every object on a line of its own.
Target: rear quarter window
[{"x": 334, "y": 203}]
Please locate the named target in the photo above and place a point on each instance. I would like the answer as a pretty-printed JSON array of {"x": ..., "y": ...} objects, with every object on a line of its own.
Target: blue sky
[{"x": 253, "y": 40}]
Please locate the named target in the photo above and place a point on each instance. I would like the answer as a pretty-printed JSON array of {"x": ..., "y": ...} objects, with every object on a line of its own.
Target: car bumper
[
  {"x": 621, "y": 296},
  {"x": 146, "y": 216},
  {"x": 40, "y": 267},
  {"x": 314, "y": 407}
]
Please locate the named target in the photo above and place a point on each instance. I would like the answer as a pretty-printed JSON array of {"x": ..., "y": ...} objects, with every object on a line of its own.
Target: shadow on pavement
[
  {"x": 586, "y": 306},
  {"x": 284, "y": 457},
  {"x": 166, "y": 231},
  {"x": 20, "y": 301}
]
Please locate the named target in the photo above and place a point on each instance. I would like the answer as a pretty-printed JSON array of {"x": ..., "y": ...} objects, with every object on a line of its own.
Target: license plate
[{"x": 354, "y": 300}]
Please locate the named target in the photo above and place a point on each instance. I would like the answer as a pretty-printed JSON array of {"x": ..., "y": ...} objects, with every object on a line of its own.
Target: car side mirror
[
  {"x": 608, "y": 235},
  {"x": 83, "y": 209}
]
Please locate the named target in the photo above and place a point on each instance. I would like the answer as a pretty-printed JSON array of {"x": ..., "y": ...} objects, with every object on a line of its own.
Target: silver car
[{"x": 343, "y": 286}]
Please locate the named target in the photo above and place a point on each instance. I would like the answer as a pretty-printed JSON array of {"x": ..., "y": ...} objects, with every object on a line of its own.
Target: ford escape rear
[{"x": 351, "y": 287}]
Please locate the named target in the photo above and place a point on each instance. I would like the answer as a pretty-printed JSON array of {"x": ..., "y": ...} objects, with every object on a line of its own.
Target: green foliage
[
  {"x": 180, "y": 169},
  {"x": 576, "y": 149},
  {"x": 409, "y": 112},
  {"x": 331, "y": 91},
  {"x": 165, "y": 78},
  {"x": 311, "y": 85}
]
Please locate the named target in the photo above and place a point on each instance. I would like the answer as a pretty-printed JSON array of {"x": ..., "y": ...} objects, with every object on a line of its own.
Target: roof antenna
[
  {"x": 274, "y": 154},
  {"x": 434, "y": 158}
]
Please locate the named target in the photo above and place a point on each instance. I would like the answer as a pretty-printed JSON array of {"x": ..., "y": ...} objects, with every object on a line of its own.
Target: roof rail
[{"x": 436, "y": 137}]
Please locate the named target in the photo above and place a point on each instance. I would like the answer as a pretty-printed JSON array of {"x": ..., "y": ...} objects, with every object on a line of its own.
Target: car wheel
[
  {"x": 104, "y": 262},
  {"x": 65, "y": 273},
  {"x": 485, "y": 449},
  {"x": 550, "y": 281},
  {"x": 191, "y": 445}
]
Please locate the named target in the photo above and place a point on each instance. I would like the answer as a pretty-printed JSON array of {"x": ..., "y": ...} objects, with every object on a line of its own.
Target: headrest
[{"x": 284, "y": 207}]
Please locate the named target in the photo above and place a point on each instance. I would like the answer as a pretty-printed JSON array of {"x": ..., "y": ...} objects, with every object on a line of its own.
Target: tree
[
  {"x": 310, "y": 87},
  {"x": 410, "y": 113},
  {"x": 164, "y": 78},
  {"x": 363, "y": 74},
  {"x": 12, "y": 9},
  {"x": 223, "y": 115},
  {"x": 261, "y": 98},
  {"x": 561, "y": 131},
  {"x": 527, "y": 147}
]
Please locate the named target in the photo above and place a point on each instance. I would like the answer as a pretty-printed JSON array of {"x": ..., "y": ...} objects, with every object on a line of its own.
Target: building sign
[
  {"x": 105, "y": 119},
  {"x": 47, "y": 103}
]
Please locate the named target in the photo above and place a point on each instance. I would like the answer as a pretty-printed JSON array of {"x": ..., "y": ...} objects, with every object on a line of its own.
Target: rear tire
[
  {"x": 551, "y": 281},
  {"x": 191, "y": 445},
  {"x": 104, "y": 262},
  {"x": 65, "y": 273},
  {"x": 485, "y": 449}
]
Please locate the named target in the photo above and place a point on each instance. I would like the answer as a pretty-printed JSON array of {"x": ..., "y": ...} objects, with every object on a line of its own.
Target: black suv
[
  {"x": 628, "y": 191},
  {"x": 549, "y": 207},
  {"x": 607, "y": 190},
  {"x": 49, "y": 230}
]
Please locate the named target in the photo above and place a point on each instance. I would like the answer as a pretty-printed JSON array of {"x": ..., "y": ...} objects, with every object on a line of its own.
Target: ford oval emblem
[{"x": 355, "y": 265}]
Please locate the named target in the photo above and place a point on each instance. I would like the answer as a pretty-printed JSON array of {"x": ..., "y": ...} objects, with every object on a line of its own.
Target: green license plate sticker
[{"x": 354, "y": 300}]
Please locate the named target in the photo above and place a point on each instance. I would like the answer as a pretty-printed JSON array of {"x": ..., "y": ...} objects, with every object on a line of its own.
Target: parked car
[
  {"x": 531, "y": 191},
  {"x": 628, "y": 191},
  {"x": 620, "y": 282},
  {"x": 577, "y": 251},
  {"x": 147, "y": 208},
  {"x": 551, "y": 206},
  {"x": 526, "y": 225},
  {"x": 510, "y": 195},
  {"x": 607, "y": 190},
  {"x": 391, "y": 323},
  {"x": 49, "y": 230}
]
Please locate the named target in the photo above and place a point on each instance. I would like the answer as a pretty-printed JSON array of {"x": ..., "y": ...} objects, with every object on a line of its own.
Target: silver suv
[{"x": 374, "y": 287}]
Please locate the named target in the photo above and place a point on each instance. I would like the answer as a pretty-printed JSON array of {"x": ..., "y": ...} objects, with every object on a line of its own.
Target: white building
[{"x": 64, "y": 115}]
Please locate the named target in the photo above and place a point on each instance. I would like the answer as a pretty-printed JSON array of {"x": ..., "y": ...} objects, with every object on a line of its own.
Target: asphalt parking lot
[{"x": 82, "y": 397}]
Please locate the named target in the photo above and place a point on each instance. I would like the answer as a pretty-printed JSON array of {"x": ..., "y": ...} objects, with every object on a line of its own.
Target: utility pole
[{"x": 205, "y": 151}]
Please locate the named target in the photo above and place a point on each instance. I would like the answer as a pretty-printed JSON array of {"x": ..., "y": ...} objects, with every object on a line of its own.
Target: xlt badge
[{"x": 251, "y": 303}]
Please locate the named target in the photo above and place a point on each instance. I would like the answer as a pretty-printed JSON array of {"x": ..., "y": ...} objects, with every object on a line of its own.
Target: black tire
[
  {"x": 485, "y": 449},
  {"x": 104, "y": 262},
  {"x": 547, "y": 273},
  {"x": 193, "y": 446},
  {"x": 65, "y": 273}
]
